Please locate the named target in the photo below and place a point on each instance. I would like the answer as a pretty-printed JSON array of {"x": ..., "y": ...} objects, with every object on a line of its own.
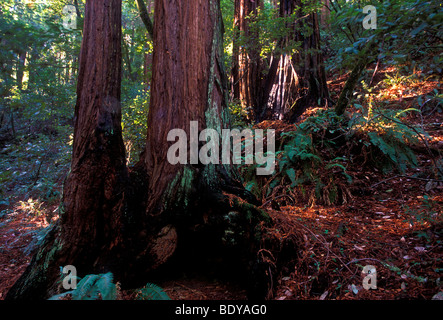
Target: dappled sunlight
[
  {"x": 357, "y": 150},
  {"x": 21, "y": 230},
  {"x": 38, "y": 212}
]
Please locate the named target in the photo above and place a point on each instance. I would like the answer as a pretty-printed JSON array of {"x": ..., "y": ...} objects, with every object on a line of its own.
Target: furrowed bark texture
[
  {"x": 246, "y": 63},
  {"x": 133, "y": 225},
  {"x": 189, "y": 84},
  {"x": 295, "y": 82},
  {"x": 90, "y": 222}
]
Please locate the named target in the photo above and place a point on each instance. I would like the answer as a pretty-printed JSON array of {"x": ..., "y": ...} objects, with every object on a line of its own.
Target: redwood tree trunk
[
  {"x": 163, "y": 204},
  {"x": 296, "y": 81},
  {"x": 246, "y": 64},
  {"x": 189, "y": 84},
  {"x": 92, "y": 205}
]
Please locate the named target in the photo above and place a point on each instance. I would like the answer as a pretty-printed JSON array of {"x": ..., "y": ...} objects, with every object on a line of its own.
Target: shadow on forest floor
[{"x": 394, "y": 224}]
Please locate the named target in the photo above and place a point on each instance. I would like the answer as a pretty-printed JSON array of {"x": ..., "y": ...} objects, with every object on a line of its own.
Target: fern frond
[
  {"x": 92, "y": 287},
  {"x": 85, "y": 290},
  {"x": 105, "y": 287},
  {"x": 152, "y": 292}
]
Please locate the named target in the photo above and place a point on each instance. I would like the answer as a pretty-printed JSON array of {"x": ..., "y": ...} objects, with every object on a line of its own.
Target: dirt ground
[
  {"x": 394, "y": 224},
  {"x": 395, "y": 228}
]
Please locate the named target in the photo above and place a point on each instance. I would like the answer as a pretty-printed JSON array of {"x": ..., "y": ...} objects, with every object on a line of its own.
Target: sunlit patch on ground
[{"x": 21, "y": 229}]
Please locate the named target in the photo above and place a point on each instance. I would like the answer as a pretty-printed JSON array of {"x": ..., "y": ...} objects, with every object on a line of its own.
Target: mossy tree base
[{"x": 131, "y": 224}]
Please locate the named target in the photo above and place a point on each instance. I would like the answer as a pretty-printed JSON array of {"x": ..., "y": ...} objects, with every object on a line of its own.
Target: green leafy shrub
[
  {"x": 306, "y": 158},
  {"x": 316, "y": 161},
  {"x": 152, "y": 292},
  {"x": 409, "y": 28},
  {"x": 239, "y": 116},
  {"x": 135, "y": 106},
  {"x": 304, "y": 161},
  {"x": 385, "y": 138}
]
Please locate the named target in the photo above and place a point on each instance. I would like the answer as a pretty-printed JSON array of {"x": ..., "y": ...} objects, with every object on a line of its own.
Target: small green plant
[
  {"x": 239, "y": 116},
  {"x": 386, "y": 137},
  {"x": 313, "y": 160},
  {"x": 304, "y": 159},
  {"x": 397, "y": 79},
  {"x": 92, "y": 287},
  {"x": 152, "y": 292},
  {"x": 101, "y": 287}
]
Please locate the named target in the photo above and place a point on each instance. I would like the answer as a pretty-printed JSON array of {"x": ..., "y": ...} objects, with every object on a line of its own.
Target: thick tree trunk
[
  {"x": 189, "y": 84},
  {"x": 92, "y": 206},
  {"x": 246, "y": 64},
  {"x": 295, "y": 82},
  {"x": 133, "y": 231}
]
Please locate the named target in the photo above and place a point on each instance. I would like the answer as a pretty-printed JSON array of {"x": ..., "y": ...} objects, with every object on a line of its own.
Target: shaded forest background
[{"x": 356, "y": 186}]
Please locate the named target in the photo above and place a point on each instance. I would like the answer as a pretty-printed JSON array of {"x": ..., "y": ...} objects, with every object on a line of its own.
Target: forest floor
[{"x": 394, "y": 224}]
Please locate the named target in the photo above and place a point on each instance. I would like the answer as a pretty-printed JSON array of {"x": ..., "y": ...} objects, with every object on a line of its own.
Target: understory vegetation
[{"x": 349, "y": 190}]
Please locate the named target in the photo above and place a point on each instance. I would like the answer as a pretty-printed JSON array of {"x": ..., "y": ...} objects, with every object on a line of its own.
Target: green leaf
[
  {"x": 291, "y": 174},
  {"x": 152, "y": 292},
  {"x": 418, "y": 29},
  {"x": 406, "y": 110}
]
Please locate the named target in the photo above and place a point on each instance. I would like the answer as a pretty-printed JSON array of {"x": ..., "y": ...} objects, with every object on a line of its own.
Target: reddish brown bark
[
  {"x": 246, "y": 64},
  {"x": 93, "y": 192},
  {"x": 189, "y": 201},
  {"x": 188, "y": 82},
  {"x": 91, "y": 210},
  {"x": 296, "y": 81},
  {"x": 162, "y": 202}
]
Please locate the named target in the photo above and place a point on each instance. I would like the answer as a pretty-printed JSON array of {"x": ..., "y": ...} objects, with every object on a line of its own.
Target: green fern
[
  {"x": 92, "y": 287},
  {"x": 103, "y": 288},
  {"x": 392, "y": 142},
  {"x": 152, "y": 292}
]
